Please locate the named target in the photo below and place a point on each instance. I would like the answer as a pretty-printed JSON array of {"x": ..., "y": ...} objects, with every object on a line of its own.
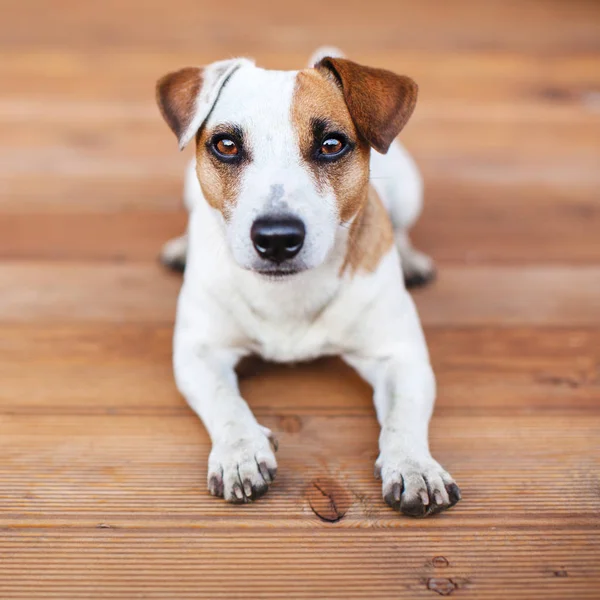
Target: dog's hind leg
[
  {"x": 398, "y": 182},
  {"x": 174, "y": 253},
  {"x": 417, "y": 267}
]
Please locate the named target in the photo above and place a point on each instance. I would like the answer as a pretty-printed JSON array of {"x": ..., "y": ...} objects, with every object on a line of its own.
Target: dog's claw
[
  {"x": 416, "y": 489},
  {"x": 237, "y": 492},
  {"x": 377, "y": 471},
  {"x": 414, "y": 507},
  {"x": 453, "y": 494},
  {"x": 215, "y": 485},
  {"x": 242, "y": 470}
]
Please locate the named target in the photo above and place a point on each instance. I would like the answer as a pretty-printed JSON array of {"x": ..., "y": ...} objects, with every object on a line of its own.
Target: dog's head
[{"x": 284, "y": 155}]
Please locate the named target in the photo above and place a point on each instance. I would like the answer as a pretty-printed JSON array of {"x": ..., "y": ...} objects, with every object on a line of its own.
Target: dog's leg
[
  {"x": 417, "y": 268},
  {"x": 412, "y": 481},
  {"x": 404, "y": 392},
  {"x": 174, "y": 253},
  {"x": 398, "y": 181},
  {"x": 242, "y": 464}
]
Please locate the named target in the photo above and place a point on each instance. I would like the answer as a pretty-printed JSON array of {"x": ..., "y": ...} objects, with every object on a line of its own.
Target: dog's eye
[
  {"x": 334, "y": 146},
  {"x": 226, "y": 147},
  {"x": 331, "y": 146}
]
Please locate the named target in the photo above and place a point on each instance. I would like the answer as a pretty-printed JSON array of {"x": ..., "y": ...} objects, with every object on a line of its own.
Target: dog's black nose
[{"x": 277, "y": 238}]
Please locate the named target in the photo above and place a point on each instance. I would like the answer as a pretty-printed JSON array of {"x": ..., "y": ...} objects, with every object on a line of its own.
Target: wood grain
[
  {"x": 550, "y": 27},
  {"x": 125, "y": 369},
  {"x": 275, "y": 563},
  {"x": 67, "y": 291},
  {"x": 102, "y": 478},
  {"x": 464, "y": 223}
]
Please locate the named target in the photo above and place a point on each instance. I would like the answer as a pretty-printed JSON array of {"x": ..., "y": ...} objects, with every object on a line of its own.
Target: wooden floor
[{"x": 102, "y": 477}]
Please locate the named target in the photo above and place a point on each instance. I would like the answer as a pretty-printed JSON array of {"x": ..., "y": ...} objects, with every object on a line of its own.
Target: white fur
[
  {"x": 226, "y": 310},
  {"x": 274, "y": 181},
  {"x": 214, "y": 77}
]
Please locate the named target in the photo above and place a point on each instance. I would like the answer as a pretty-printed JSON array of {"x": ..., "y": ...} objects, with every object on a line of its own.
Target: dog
[{"x": 297, "y": 247}]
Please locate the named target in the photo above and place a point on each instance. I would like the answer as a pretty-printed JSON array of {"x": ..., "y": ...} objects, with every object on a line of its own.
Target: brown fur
[
  {"x": 371, "y": 236},
  {"x": 379, "y": 101},
  {"x": 373, "y": 113},
  {"x": 317, "y": 97},
  {"x": 176, "y": 95},
  {"x": 220, "y": 182}
]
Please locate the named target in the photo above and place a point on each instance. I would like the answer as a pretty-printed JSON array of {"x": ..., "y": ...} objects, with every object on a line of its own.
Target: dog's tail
[{"x": 323, "y": 51}]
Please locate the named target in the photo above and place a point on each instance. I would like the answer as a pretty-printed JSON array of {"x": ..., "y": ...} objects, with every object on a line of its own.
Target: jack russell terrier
[{"x": 300, "y": 201}]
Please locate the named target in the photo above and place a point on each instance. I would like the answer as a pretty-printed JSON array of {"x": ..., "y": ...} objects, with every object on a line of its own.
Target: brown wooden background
[{"x": 102, "y": 469}]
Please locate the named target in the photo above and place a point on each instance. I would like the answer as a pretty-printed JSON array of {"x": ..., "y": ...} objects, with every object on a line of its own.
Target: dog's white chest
[
  {"x": 288, "y": 323},
  {"x": 296, "y": 342}
]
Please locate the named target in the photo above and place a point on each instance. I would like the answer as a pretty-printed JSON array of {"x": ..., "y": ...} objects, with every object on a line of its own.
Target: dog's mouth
[{"x": 277, "y": 273}]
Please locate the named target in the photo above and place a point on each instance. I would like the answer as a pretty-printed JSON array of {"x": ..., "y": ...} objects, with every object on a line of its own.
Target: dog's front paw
[
  {"x": 241, "y": 470},
  {"x": 417, "y": 488}
]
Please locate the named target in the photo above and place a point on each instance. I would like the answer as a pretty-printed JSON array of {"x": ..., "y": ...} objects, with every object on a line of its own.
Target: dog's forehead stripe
[{"x": 256, "y": 99}]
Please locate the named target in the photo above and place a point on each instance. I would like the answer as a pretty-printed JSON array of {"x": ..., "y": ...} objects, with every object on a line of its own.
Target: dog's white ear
[
  {"x": 379, "y": 101},
  {"x": 187, "y": 96}
]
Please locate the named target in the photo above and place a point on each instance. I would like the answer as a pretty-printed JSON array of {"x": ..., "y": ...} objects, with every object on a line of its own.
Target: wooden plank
[
  {"x": 116, "y": 237},
  {"x": 150, "y": 471},
  {"x": 462, "y": 223},
  {"x": 508, "y": 223},
  {"x": 512, "y": 296},
  {"x": 103, "y": 470},
  {"x": 483, "y": 85},
  {"x": 68, "y": 292},
  {"x": 551, "y": 27},
  {"x": 52, "y": 193},
  {"x": 142, "y": 292},
  {"x": 125, "y": 149},
  {"x": 125, "y": 369},
  {"x": 513, "y": 150},
  {"x": 275, "y": 563}
]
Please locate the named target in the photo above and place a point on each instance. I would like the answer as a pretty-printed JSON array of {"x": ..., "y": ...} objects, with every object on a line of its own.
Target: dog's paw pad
[{"x": 417, "y": 489}]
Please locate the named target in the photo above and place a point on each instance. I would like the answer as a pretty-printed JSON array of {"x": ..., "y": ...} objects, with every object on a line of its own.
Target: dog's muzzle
[{"x": 279, "y": 238}]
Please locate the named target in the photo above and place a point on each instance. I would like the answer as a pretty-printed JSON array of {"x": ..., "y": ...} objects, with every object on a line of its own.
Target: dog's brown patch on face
[
  {"x": 371, "y": 236},
  {"x": 220, "y": 181},
  {"x": 318, "y": 103},
  {"x": 319, "y": 99}
]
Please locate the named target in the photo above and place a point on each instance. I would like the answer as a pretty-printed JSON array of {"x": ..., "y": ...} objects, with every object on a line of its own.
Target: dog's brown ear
[
  {"x": 176, "y": 95},
  {"x": 187, "y": 96},
  {"x": 379, "y": 101}
]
